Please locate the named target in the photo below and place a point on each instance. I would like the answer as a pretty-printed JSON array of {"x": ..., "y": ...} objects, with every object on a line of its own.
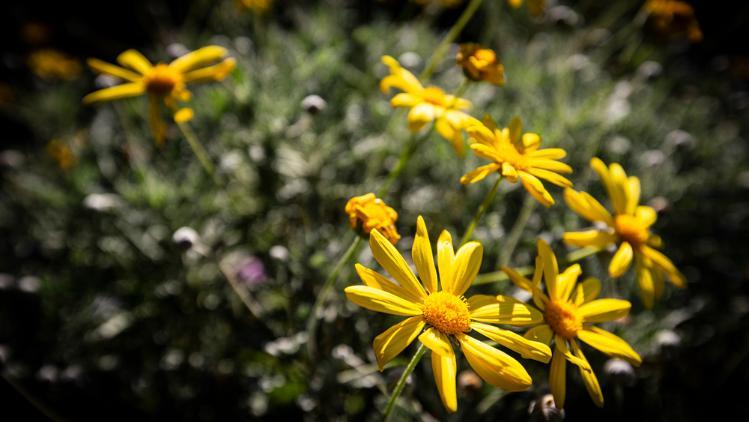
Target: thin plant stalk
[
  {"x": 516, "y": 231},
  {"x": 322, "y": 295},
  {"x": 488, "y": 199},
  {"x": 197, "y": 148},
  {"x": 402, "y": 381}
]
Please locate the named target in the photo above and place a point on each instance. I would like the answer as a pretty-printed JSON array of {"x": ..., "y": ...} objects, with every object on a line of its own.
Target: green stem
[
  {"x": 444, "y": 45},
  {"x": 322, "y": 295},
  {"x": 571, "y": 258},
  {"x": 198, "y": 150},
  {"x": 402, "y": 381},
  {"x": 488, "y": 199},
  {"x": 517, "y": 230},
  {"x": 406, "y": 154}
]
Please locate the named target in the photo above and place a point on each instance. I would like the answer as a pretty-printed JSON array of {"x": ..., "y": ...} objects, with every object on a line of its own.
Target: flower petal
[
  {"x": 445, "y": 257},
  {"x": 632, "y": 190},
  {"x": 604, "y": 310},
  {"x": 374, "y": 279},
  {"x": 445, "y": 369},
  {"x": 134, "y": 60},
  {"x": 665, "y": 264},
  {"x": 392, "y": 261},
  {"x": 100, "y": 66},
  {"x": 549, "y": 154},
  {"x": 494, "y": 366},
  {"x": 115, "y": 93},
  {"x": 609, "y": 343},
  {"x": 646, "y": 215},
  {"x": 217, "y": 72},
  {"x": 593, "y": 238},
  {"x": 587, "y": 290},
  {"x": 589, "y": 377},
  {"x": 646, "y": 282},
  {"x": 197, "y": 58},
  {"x": 405, "y": 99},
  {"x": 566, "y": 281},
  {"x": 558, "y": 379},
  {"x": 452, "y": 134},
  {"x": 552, "y": 177},
  {"x": 536, "y": 189},
  {"x": 541, "y": 333},
  {"x": 615, "y": 194},
  {"x": 392, "y": 341},
  {"x": 465, "y": 267},
  {"x": 381, "y": 301},
  {"x": 479, "y": 173},
  {"x": 421, "y": 253},
  {"x": 529, "y": 349},
  {"x": 436, "y": 341},
  {"x": 551, "y": 269},
  {"x": 621, "y": 260},
  {"x": 587, "y": 207},
  {"x": 551, "y": 165},
  {"x": 503, "y": 310},
  {"x": 420, "y": 115}
]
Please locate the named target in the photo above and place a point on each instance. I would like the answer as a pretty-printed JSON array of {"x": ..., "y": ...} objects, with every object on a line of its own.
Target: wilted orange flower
[
  {"x": 162, "y": 82},
  {"x": 480, "y": 64},
  {"x": 61, "y": 153},
  {"x": 53, "y": 64},
  {"x": 535, "y": 7},
  {"x": 370, "y": 212},
  {"x": 674, "y": 18}
]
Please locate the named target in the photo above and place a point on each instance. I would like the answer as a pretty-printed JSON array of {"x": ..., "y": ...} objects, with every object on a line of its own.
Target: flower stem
[
  {"x": 571, "y": 258},
  {"x": 480, "y": 212},
  {"x": 198, "y": 150},
  {"x": 322, "y": 295},
  {"x": 456, "y": 29},
  {"x": 402, "y": 381},
  {"x": 406, "y": 154},
  {"x": 517, "y": 230}
]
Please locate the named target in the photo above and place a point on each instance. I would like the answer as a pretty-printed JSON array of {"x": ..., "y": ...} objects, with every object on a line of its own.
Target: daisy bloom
[
  {"x": 535, "y": 7},
  {"x": 370, "y": 212},
  {"x": 51, "y": 64},
  {"x": 480, "y": 64},
  {"x": 162, "y": 82},
  {"x": 437, "y": 313},
  {"x": 516, "y": 155},
  {"x": 628, "y": 229},
  {"x": 569, "y": 314},
  {"x": 427, "y": 104},
  {"x": 61, "y": 153}
]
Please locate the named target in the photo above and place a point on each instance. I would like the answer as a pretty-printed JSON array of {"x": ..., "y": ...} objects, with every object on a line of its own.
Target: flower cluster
[{"x": 369, "y": 212}]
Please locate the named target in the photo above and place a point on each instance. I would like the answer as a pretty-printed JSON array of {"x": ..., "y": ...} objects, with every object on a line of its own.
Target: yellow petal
[
  {"x": 515, "y": 127},
  {"x": 551, "y": 269},
  {"x": 593, "y": 238},
  {"x": 479, "y": 173},
  {"x": 665, "y": 264},
  {"x": 615, "y": 194},
  {"x": 420, "y": 115},
  {"x": 445, "y": 369},
  {"x": 539, "y": 298},
  {"x": 620, "y": 184},
  {"x": 536, "y": 189},
  {"x": 404, "y": 99},
  {"x": 552, "y": 177},
  {"x": 609, "y": 343},
  {"x": 566, "y": 281},
  {"x": 217, "y": 72},
  {"x": 502, "y": 310},
  {"x": 517, "y": 278},
  {"x": 604, "y": 310},
  {"x": 396, "y": 338},
  {"x": 423, "y": 258},
  {"x": 435, "y": 341},
  {"x": 481, "y": 134},
  {"x": 381, "y": 301},
  {"x": 376, "y": 280},
  {"x": 529, "y": 349},
  {"x": 184, "y": 115},
  {"x": 557, "y": 379},
  {"x": 487, "y": 151},
  {"x": 549, "y": 154},
  {"x": 621, "y": 260},
  {"x": 392, "y": 261},
  {"x": 587, "y": 290},
  {"x": 632, "y": 189},
  {"x": 114, "y": 93},
  {"x": 100, "y": 66},
  {"x": 197, "y": 58},
  {"x": 540, "y": 333},
  {"x": 134, "y": 60},
  {"x": 494, "y": 366},
  {"x": 452, "y": 134},
  {"x": 465, "y": 267},
  {"x": 445, "y": 257},
  {"x": 647, "y": 285},
  {"x": 550, "y": 165},
  {"x": 587, "y": 207},
  {"x": 589, "y": 378},
  {"x": 400, "y": 78},
  {"x": 560, "y": 345},
  {"x": 646, "y": 215}
]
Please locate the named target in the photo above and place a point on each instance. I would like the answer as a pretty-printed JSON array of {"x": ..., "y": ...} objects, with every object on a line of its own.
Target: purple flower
[{"x": 251, "y": 271}]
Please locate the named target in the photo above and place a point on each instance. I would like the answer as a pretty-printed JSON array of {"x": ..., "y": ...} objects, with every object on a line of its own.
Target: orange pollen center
[
  {"x": 563, "y": 319},
  {"x": 434, "y": 95},
  {"x": 161, "y": 80},
  {"x": 447, "y": 313},
  {"x": 631, "y": 229}
]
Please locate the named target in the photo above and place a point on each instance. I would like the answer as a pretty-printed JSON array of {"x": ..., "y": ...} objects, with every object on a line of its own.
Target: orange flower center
[
  {"x": 630, "y": 229},
  {"x": 447, "y": 313},
  {"x": 563, "y": 319},
  {"x": 162, "y": 80}
]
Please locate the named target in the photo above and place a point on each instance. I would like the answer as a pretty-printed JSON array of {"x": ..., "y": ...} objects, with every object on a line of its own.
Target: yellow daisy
[
  {"x": 427, "y": 104},
  {"x": 628, "y": 228},
  {"x": 167, "y": 82},
  {"x": 445, "y": 313},
  {"x": 480, "y": 64},
  {"x": 516, "y": 155},
  {"x": 569, "y": 314},
  {"x": 370, "y": 212}
]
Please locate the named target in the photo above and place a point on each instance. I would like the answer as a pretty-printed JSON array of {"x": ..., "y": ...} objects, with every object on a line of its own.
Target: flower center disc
[
  {"x": 563, "y": 319},
  {"x": 631, "y": 229},
  {"x": 162, "y": 80},
  {"x": 447, "y": 313}
]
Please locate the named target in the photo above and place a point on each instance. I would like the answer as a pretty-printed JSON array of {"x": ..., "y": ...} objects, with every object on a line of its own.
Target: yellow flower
[
  {"x": 369, "y": 212},
  {"x": 628, "y": 227},
  {"x": 516, "y": 156},
  {"x": 167, "y": 82},
  {"x": 674, "y": 18},
  {"x": 427, "y": 104},
  {"x": 259, "y": 6},
  {"x": 569, "y": 314},
  {"x": 436, "y": 315},
  {"x": 480, "y": 64},
  {"x": 535, "y": 7},
  {"x": 52, "y": 64},
  {"x": 61, "y": 153}
]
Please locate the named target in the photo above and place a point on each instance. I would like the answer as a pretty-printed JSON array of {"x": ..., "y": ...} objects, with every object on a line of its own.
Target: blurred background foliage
[{"x": 132, "y": 287}]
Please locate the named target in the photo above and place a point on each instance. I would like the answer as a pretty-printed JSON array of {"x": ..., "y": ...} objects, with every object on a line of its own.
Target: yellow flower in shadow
[
  {"x": 51, "y": 64},
  {"x": 480, "y": 64},
  {"x": 368, "y": 212}
]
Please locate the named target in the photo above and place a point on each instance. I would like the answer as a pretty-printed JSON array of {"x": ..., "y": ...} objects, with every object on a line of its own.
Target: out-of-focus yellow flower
[
  {"x": 480, "y": 64},
  {"x": 443, "y": 3},
  {"x": 61, "y": 153},
  {"x": 184, "y": 115},
  {"x": 53, "y": 64},
  {"x": 259, "y": 6},
  {"x": 569, "y": 311},
  {"x": 427, "y": 104},
  {"x": 446, "y": 313},
  {"x": 628, "y": 227},
  {"x": 535, "y": 7},
  {"x": 162, "y": 82},
  {"x": 370, "y": 212},
  {"x": 516, "y": 155},
  {"x": 674, "y": 18}
]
